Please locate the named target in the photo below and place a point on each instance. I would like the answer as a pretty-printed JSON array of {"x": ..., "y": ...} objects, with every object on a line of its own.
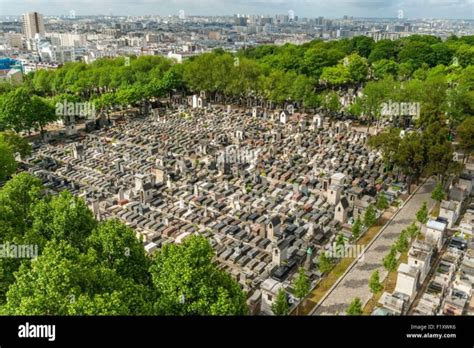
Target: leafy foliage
[
  {"x": 280, "y": 306},
  {"x": 355, "y": 307}
]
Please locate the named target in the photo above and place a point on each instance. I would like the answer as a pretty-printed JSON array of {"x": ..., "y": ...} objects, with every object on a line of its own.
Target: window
[
  {"x": 269, "y": 297},
  {"x": 339, "y": 209}
]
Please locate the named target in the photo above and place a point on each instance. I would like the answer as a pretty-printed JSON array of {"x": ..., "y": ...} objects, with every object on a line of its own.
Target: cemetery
[{"x": 263, "y": 187}]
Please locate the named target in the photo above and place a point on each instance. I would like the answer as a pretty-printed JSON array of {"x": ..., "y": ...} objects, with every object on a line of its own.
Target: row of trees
[
  {"x": 410, "y": 53},
  {"x": 390, "y": 261},
  {"x": 418, "y": 68},
  {"x": 86, "y": 267},
  {"x": 423, "y": 152}
]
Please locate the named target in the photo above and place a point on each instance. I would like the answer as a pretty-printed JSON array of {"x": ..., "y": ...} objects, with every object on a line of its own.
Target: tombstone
[
  {"x": 284, "y": 117},
  {"x": 279, "y": 253},
  {"x": 120, "y": 195},
  {"x": 304, "y": 189},
  {"x": 309, "y": 259},
  {"x": 310, "y": 230},
  {"x": 194, "y": 101},
  {"x": 239, "y": 134},
  {"x": 71, "y": 129},
  {"x": 291, "y": 109},
  {"x": 334, "y": 193},
  {"x": 203, "y": 147},
  {"x": 139, "y": 182},
  {"x": 78, "y": 151},
  {"x": 318, "y": 121},
  {"x": 236, "y": 202},
  {"x": 255, "y": 112}
]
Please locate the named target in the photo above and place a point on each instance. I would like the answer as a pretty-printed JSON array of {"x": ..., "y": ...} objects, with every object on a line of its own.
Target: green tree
[
  {"x": 384, "y": 68},
  {"x": 362, "y": 45},
  {"x": 190, "y": 283},
  {"x": 355, "y": 307},
  {"x": 16, "y": 110},
  {"x": 17, "y": 143},
  {"x": 17, "y": 198},
  {"x": 7, "y": 161},
  {"x": 116, "y": 244},
  {"x": 324, "y": 263},
  {"x": 302, "y": 285},
  {"x": 465, "y": 133},
  {"x": 390, "y": 261},
  {"x": 370, "y": 216},
  {"x": 416, "y": 52},
  {"x": 375, "y": 93},
  {"x": 382, "y": 202},
  {"x": 356, "y": 228},
  {"x": 280, "y": 306},
  {"x": 410, "y": 157},
  {"x": 403, "y": 242},
  {"x": 67, "y": 282},
  {"x": 442, "y": 54},
  {"x": 315, "y": 59},
  {"x": 335, "y": 75},
  {"x": 433, "y": 100},
  {"x": 357, "y": 68},
  {"x": 460, "y": 106},
  {"x": 22, "y": 111},
  {"x": 43, "y": 113},
  {"x": 422, "y": 214},
  {"x": 374, "y": 283},
  {"x": 330, "y": 101},
  {"x": 465, "y": 55},
  {"x": 438, "y": 192},
  {"x": 440, "y": 161},
  {"x": 383, "y": 49},
  {"x": 340, "y": 244},
  {"x": 387, "y": 142},
  {"x": 65, "y": 217},
  {"x": 413, "y": 231}
]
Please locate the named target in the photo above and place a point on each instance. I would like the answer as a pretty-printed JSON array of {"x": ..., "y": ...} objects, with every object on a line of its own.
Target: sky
[{"x": 304, "y": 8}]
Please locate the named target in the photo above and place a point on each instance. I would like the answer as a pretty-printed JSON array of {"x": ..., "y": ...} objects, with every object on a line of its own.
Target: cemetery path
[{"x": 354, "y": 283}]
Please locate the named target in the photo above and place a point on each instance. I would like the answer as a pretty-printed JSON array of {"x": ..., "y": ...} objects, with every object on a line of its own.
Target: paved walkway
[{"x": 355, "y": 282}]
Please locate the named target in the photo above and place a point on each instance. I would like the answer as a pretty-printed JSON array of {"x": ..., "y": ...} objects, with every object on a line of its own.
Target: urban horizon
[{"x": 413, "y": 9}]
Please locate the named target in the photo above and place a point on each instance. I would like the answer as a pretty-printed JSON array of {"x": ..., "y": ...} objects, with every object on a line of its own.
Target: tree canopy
[{"x": 86, "y": 267}]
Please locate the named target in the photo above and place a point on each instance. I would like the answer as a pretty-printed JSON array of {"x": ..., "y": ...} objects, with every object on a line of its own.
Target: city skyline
[{"x": 442, "y": 9}]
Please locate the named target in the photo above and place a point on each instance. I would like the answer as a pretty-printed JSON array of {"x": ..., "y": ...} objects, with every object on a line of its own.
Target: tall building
[{"x": 32, "y": 24}]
